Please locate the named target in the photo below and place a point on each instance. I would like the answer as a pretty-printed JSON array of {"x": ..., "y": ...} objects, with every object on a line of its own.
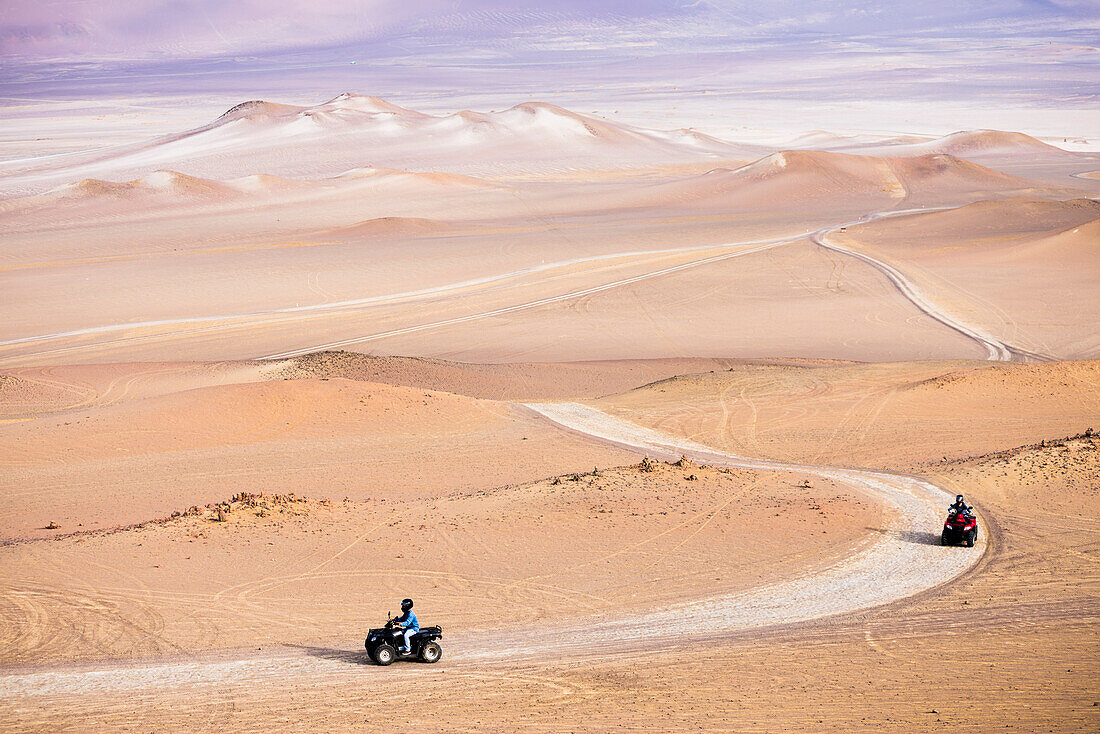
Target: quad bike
[
  {"x": 383, "y": 644},
  {"x": 960, "y": 527}
]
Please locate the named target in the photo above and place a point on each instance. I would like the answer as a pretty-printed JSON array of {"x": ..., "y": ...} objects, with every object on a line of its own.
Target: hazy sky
[{"x": 1019, "y": 54}]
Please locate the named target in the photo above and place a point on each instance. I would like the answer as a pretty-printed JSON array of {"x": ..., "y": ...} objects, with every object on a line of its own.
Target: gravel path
[{"x": 902, "y": 559}]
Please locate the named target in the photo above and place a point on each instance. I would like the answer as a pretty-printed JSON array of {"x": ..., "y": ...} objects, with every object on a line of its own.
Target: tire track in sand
[
  {"x": 570, "y": 296},
  {"x": 189, "y": 326}
]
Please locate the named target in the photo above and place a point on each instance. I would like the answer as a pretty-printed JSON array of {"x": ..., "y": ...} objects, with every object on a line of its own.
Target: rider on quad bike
[
  {"x": 961, "y": 525},
  {"x": 960, "y": 507},
  {"x": 408, "y": 624},
  {"x": 403, "y": 638}
]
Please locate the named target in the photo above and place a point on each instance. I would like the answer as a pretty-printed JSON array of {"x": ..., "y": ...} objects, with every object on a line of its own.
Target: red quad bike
[{"x": 960, "y": 527}]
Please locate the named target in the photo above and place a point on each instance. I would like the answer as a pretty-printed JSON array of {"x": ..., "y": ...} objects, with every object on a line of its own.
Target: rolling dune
[
  {"x": 129, "y": 461},
  {"x": 817, "y": 178},
  {"x": 350, "y": 131},
  {"x": 887, "y": 415}
]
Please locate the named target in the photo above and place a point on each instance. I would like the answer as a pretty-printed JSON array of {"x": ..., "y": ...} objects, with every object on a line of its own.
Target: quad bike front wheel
[
  {"x": 384, "y": 654},
  {"x": 970, "y": 537},
  {"x": 431, "y": 653}
]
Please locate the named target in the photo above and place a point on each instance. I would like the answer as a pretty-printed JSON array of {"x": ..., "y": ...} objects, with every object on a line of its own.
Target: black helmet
[
  {"x": 406, "y": 604},
  {"x": 958, "y": 498}
]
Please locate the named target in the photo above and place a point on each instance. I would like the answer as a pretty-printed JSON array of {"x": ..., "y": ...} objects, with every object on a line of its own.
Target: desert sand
[{"x": 660, "y": 428}]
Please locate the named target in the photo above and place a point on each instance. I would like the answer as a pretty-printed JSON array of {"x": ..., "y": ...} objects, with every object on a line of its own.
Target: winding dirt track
[
  {"x": 901, "y": 560},
  {"x": 126, "y": 334},
  {"x": 996, "y": 349},
  {"x": 130, "y": 333},
  {"x": 446, "y": 290},
  {"x": 750, "y": 248}
]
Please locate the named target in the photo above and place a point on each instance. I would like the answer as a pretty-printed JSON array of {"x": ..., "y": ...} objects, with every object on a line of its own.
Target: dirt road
[
  {"x": 486, "y": 297},
  {"x": 996, "y": 349},
  {"x": 902, "y": 560}
]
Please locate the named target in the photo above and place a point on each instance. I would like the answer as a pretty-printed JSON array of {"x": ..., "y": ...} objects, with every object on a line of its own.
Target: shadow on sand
[
  {"x": 917, "y": 537},
  {"x": 352, "y": 657}
]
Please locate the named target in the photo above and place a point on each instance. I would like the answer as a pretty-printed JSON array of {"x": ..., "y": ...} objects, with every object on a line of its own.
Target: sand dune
[
  {"x": 168, "y": 193},
  {"x": 773, "y": 183},
  {"x": 293, "y": 266},
  {"x": 1005, "y": 221},
  {"x": 995, "y": 142},
  {"x": 39, "y": 391},
  {"x": 351, "y": 131},
  {"x": 254, "y": 109},
  {"x": 510, "y": 381},
  {"x": 815, "y": 178},
  {"x": 168, "y": 185},
  {"x": 129, "y": 461},
  {"x": 539, "y": 122},
  {"x": 831, "y": 141},
  {"x": 1009, "y": 152},
  {"x": 35, "y": 392},
  {"x": 397, "y": 226},
  {"x": 1077, "y": 244},
  {"x": 976, "y": 144},
  {"x": 870, "y": 415}
]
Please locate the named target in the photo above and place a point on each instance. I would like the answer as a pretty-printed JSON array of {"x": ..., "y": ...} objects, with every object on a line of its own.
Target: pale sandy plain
[{"x": 439, "y": 346}]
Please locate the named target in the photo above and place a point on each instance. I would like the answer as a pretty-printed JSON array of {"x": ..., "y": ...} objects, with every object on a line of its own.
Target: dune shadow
[
  {"x": 917, "y": 537},
  {"x": 352, "y": 657}
]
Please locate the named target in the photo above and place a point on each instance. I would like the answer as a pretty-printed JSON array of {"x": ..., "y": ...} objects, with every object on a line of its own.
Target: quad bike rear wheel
[
  {"x": 384, "y": 654},
  {"x": 431, "y": 653}
]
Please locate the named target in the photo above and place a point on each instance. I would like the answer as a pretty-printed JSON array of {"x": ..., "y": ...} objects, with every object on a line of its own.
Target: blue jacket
[{"x": 408, "y": 620}]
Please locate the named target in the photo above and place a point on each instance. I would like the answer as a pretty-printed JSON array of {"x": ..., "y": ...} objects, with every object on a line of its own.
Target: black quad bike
[{"x": 383, "y": 644}]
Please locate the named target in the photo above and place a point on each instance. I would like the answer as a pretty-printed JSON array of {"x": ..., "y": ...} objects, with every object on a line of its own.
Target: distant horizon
[
  {"x": 122, "y": 120},
  {"x": 733, "y": 69}
]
